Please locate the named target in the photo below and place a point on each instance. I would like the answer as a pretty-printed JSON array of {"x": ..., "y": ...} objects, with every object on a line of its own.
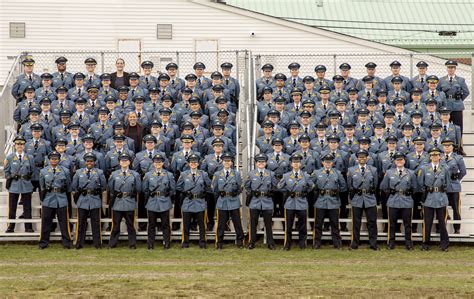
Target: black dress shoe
[
  {"x": 409, "y": 248},
  {"x": 98, "y": 247},
  {"x": 203, "y": 246},
  {"x": 41, "y": 247},
  {"x": 78, "y": 247},
  {"x": 150, "y": 248},
  {"x": 353, "y": 247},
  {"x": 10, "y": 229},
  {"x": 287, "y": 248},
  {"x": 456, "y": 231},
  {"x": 220, "y": 247},
  {"x": 391, "y": 246},
  {"x": 166, "y": 246},
  {"x": 240, "y": 246},
  {"x": 425, "y": 247},
  {"x": 29, "y": 230},
  {"x": 445, "y": 249},
  {"x": 108, "y": 228},
  {"x": 376, "y": 247},
  {"x": 251, "y": 246},
  {"x": 67, "y": 246},
  {"x": 271, "y": 247},
  {"x": 185, "y": 245},
  {"x": 316, "y": 246},
  {"x": 302, "y": 247},
  {"x": 133, "y": 247},
  {"x": 22, "y": 216}
]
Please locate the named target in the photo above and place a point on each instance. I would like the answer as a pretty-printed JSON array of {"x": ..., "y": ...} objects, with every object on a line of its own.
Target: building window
[
  {"x": 17, "y": 30},
  {"x": 164, "y": 31}
]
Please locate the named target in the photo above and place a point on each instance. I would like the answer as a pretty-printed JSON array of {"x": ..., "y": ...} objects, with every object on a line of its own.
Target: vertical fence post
[
  {"x": 102, "y": 61},
  {"x": 237, "y": 73},
  {"x": 177, "y": 62},
  {"x": 411, "y": 65},
  {"x": 472, "y": 81},
  {"x": 334, "y": 64}
]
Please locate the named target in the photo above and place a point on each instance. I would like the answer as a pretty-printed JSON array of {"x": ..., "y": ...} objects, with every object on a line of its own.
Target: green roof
[{"x": 404, "y": 23}]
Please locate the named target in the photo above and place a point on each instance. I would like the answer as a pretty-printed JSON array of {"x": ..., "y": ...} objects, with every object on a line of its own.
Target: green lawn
[{"x": 27, "y": 271}]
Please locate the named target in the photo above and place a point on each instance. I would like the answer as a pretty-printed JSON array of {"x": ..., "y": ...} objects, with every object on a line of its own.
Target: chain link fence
[{"x": 358, "y": 61}]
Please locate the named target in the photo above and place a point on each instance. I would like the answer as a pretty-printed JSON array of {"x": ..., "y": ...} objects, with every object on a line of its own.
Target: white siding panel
[{"x": 55, "y": 25}]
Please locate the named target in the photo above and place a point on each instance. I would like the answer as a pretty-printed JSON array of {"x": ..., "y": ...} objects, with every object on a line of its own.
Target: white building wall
[{"x": 55, "y": 25}]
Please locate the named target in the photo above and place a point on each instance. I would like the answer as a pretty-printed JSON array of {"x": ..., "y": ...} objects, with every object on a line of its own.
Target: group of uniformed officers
[{"x": 167, "y": 143}]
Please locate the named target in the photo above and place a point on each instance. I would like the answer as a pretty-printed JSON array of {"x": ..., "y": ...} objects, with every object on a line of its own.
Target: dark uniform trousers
[
  {"x": 393, "y": 215},
  {"x": 165, "y": 227},
  {"x": 300, "y": 226},
  {"x": 13, "y": 204},
  {"x": 333, "y": 215},
  {"x": 267, "y": 220},
  {"x": 222, "y": 218},
  {"x": 141, "y": 211},
  {"x": 417, "y": 198},
  {"x": 371, "y": 215},
  {"x": 455, "y": 203},
  {"x": 211, "y": 209},
  {"x": 457, "y": 119},
  {"x": 117, "y": 217},
  {"x": 344, "y": 211},
  {"x": 47, "y": 216},
  {"x": 94, "y": 215},
  {"x": 428, "y": 217},
  {"x": 199, "y": 216}
]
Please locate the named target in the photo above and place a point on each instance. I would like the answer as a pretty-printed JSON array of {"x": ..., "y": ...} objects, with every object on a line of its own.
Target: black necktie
[
  {"x": 305, "y": 155},
  {"x": 172, "y": 82},
  {"x": 54, "y": 170},
  {"x": 368, "y": 94},
  {"x": 19, "y": 158},
  {"x": 338, "y": 93},
  {"x": 186, "y": 154},
  {"x": 93, "y": 104},
  {"x": 194, "y": 177},
  {"x": 46, "y": 117},
  {"x": 279, "y": 92},
  {"x": 379, "y": 140},
  {"x": 226, "y": 81},
  {"x": 199, "y": 81},
  {"x": 226, "y": 174},
  {"x": 422, "y": 79},
  {"x": 150, "y": 155},
  {"x": 139, "y": 114},
  {"x": 432, "y": 94},
  {"x": 445, "y": 129},
  {"x": 418, "y": 130},
  {"x": 397, "y": 94},
  {"x": 416, "y": 106},
  {"x": 267, "y": 81},
  {"x": 88, "y": 174},
  {"x": 146, "y": 79},
  {"x": 294, "y": 82},
  {"x": 362, "y": 169},
  {"x": 447, "y": 157},
  {"x": 400, "y": 173},
  {"x": 434, "y": 169},
  {"x": 164, "y": 128},
  {"x": 218, "y": 159},
  {"x": 46, "y": 92},
  {"x": 391, "y": 155},
  {"x": 90, "y": 79},
  {"x": 75, "y": 142},
  {"x": 79, "y": 92},
  {"x": 322, "y": 143},
  {"x": 363, "y": 128},
  {"x": 61, "y": 105},
  {"x": 327, "y": 172},
  {"x": 36, "y": 145},
  {"x": 133, "y": 92},
  {"x": 62, "y": 77},
  {"x": 294, "y": 142},
  {"x": 306, "y": 130},
  {"x": 350, "y": 142},
  {"x": 436, "y": 143},
  {"x": 383, "y": 108},
  {"x": 277, "y": 157},
  {"x": 352, "y": 106},
  {"x": 102, "y": 127},
  {"x": 296, "y": 175},
  {"x": 450, "y": 79},
  {"x": 124, "y": 173},
  {"x": 324, "y": 106},
  {"x": 119, "y": 153},
  {"x": 80, "y": 117},
  {"x": 261, "y": 174},
  {"x": 335, "y": 130},
  {"x": 419, "y": 156}
]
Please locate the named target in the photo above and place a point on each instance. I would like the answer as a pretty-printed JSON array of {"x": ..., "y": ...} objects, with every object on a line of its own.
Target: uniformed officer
[
  {"x": 400, "y": 183},
  {"x": 320, "y": 80},
  {"x": 362, "y": 182},
  {"x": 395, "y": 68},
  {"x": 227, "y": 184},
  {"x": 433, "y": 179},
  {"x": 419, "y": 81},
  {"x": 91, "y": 77},
  {"x": 19, "y": 168},
  {"x": 124, "y": 185},
  {"x": 259, "y": 186},
  {"x": 175, "y": 83},
  {"x": 55, "y": 181},
  {"x": 202, "y": 82},
  {"x": 457, "y": 170},
  {"x": 88, "y": 184},
  {"x": 456, "y": 91},
  {"x": 328, "y": 182},
  {"x": 378, "y": 83},
  {"x": 62, "y": 77},
  {"x": 296, "y": 184},
  {"x": 266, "y": 80},
  {"x": 158, "y": 187},
  {"x": 147, "y": 80},
  {"x": 39, "y": 148},
  {"x": 28, "y": 78},
  {"x": 193, "y": 185},
  {"x": 279, "y": 163}
]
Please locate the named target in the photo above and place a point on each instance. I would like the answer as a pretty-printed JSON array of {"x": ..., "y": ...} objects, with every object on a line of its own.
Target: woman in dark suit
[
  {"x": 134, "y": 130},
  {"x": 119, "y": 78}
]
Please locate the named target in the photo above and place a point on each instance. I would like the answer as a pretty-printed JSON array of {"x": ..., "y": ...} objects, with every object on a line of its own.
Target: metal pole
[
  {"x": 411, "y": 65},
  {"x": 177, "y": 62},
  {"x": 334, "y": 64},
  {"x": 472, "y": 80},
  {"x": 237, "y": 73},
  {"x": 102, "y": 61}
]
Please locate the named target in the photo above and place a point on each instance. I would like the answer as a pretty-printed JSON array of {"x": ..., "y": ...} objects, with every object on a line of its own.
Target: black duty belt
[
  {"x": 329, "y": 192},
  {"x": 125, "y": 194},
  {"x": 91, "y": 192},
  {"x": 365, "y": 191},
  {"x": 261, "y": 194},
  {"x": 194, "y": 195},
  {"x": 21, "y": 177},
  {"x": 401, "y": 192},
  {"x": 159, "y": 193},
  {"x": 222, "y": 193},
  {"x": 298, "y": 194},
  {"x": 56, "y": 190},
  {"x": 455, "y": 176},
  {"x": 435, "y": 189}
]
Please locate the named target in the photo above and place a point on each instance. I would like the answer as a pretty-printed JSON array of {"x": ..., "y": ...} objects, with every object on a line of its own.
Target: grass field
[{"x": 27, "y": 271}]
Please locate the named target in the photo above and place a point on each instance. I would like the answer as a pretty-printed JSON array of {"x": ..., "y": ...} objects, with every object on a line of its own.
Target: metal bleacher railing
[{"x": 246, "y": 68}]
